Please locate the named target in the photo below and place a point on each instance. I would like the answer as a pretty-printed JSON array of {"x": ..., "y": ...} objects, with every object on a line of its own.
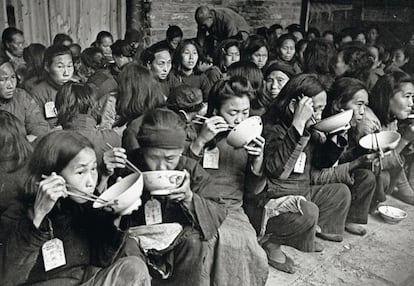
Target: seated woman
[
  {"x": 191, "y": 259},
  {"x": 94, "y": 66},
  {"x": 185, "y": 61},
  {"x": 227, "y": 53},
  {"x": 59, "y": 69},
  {"x": 55, "y": 238},
  {"x": 187, "y": 102},
  {"x": 123, "y": 53},
  {"x": 287, "y": 166},
  {"x": 286, "y": 52},
  {"x": 349, "y": 93},
  {"x": 15, "y": 151},
  {"x": 257, "y": 51},
  {"x": 18, "y": 102},
  {"x": 157, "y": 59},
  {"x": 138, "y": 93},
  {"x": 391, "y": 102},
  {"x": 77, "y": 110},
  {"x": 236, "y": 174}
]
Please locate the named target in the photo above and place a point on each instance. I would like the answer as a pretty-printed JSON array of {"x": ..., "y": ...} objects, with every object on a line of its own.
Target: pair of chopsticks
[
  {"x": 129, "y": 165},
  {"x": 82, "y": 194},
  {"x": 380, "y": 151},
  {"x": 201, "y": 119}
]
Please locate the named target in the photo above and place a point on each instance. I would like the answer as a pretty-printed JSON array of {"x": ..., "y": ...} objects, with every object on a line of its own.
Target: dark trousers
[{"x": 362, "y": 192}]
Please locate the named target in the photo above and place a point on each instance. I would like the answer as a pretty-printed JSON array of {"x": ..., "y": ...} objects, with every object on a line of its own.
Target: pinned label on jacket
[
  {"x": 153, "y": 213},
  {"x": 53, "y": 254},
  {"x": 300, "y": 163},
  {"x": 50, "y": 110},
  {"x": 211, "y": 158}
]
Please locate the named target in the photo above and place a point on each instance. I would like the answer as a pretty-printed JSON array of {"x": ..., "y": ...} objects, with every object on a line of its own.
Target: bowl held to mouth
[
  {"x": 335, "y": 122},
  {"x": 161, "y": 182},
  {"x": 245, "y": 132},
  {"x": 386, "y": 140}
]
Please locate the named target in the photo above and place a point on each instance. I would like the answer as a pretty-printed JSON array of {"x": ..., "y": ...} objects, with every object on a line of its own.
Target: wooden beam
[{"x": 304, "y": 14}]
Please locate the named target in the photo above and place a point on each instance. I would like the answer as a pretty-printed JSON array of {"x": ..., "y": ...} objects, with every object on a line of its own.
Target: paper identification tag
[
  {"x": 50, "y": 110},
  {"x": 53, "y": 254},
  {"x": 300, "y": 163},
  {"x": 153, "y": 213},
  {"x": 211, "y": 158}
]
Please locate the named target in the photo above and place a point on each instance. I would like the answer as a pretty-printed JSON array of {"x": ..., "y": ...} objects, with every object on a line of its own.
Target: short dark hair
[
  {"x": 174, "y": 32},
  {"x": 52, "y": 154},
  {"x": 8, "y": 33},
  {"x": 318, "y": 57},
  {"x": 101, "y": 35},
  {"x": 59, "y": 39},
  {"x": 384, "y": 89},
  {"x": 148, "y": 55},
  {"x": 73, "y": 99},
  {"x": 299, "y": 85},
  {"x": 177, "y": 58},
  {"x": 93, "y": 57},
  {"x": 54, "y": 51},
  {"x": 123, "y": 48}
]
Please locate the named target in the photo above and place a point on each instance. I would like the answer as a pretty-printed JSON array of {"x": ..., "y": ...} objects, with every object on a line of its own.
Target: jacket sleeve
[
  {"x": 21, "y": 246},
  {"x": 338, "y": 174},
  {"x": 282, "y": 150},
  {"x": 205, "y": 87},
  {"x": 207, "y": 212},
  {"x": 34, "y": 119}
]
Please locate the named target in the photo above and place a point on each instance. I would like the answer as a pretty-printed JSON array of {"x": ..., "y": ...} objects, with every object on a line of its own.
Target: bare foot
[{"x": 355, "y": 228}]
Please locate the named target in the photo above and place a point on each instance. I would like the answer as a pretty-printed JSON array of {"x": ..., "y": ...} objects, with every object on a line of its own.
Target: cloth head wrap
[{"x": 158, "y": 137}]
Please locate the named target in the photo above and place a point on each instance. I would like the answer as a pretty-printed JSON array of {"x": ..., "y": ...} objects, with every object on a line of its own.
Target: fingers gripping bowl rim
[
  {"x": 245, "y": 132},
  {"x": 162, "y": 182}
]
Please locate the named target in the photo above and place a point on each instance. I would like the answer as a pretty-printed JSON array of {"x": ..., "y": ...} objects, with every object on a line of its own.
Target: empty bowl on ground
[
  {"x": 392, "y": 214},
  {"x": 245, "y": 132},
  {"x": 335, "y": 122},
  {"x": 160, "y": 182},
  {"x": 124, "y": 195},
  {"x": 387, "y": 140}
]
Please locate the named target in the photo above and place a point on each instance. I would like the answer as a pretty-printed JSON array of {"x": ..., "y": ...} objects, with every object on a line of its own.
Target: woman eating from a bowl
[
  {"x": 349, "y": 94},
  {"x": 54, "y": 236},
  {"x": 190, "y": 259},
  {"x": 300, "y": 206},
  {"x": 237, "y": 173},
  {"x": 391, "y": 102}
]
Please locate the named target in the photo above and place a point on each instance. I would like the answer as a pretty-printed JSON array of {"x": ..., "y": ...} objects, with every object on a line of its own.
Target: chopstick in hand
[
  {"x": 129, "y": 165},
  {"x": 380, "y": 151}
]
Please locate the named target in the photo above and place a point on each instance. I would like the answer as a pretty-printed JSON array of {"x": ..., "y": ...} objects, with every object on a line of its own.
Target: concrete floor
[{"x": 384, "y": 256}]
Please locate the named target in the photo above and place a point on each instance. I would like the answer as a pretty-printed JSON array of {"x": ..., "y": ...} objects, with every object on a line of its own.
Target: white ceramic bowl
[
  {"x": 245, "y": 132},
  {"x": 392, "y": 214},
  {"x": 160, "y": 181},
  {"x": 335, "y": 122},
  {"x": 124, "y": 195},
  {"x": 387, "y": 140}
]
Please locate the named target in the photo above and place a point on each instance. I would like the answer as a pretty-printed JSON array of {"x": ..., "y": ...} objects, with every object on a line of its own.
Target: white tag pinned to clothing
[
  {"x": 153, "y": 213},
  {"x": 50, "y": 110},
  {"x": 53, "y": 254},
  {"x": 211, "y": 158},
  {"x": 300, "y": 163}
]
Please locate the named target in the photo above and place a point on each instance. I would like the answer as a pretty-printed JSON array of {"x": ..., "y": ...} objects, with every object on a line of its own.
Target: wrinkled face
[
  {"x": 105, "y": 46},
  {"x": 161, "y": 65},
  {"x": 175, "y": 42},
  {"x": 361, "y": 38},
  {"x": 16, "y": 46},
  {"x": 81, "y": 173},
  {"x": 287, "y": 50},
  {"x": 402, "y": 101},
  {"x": 232, "y": 55},
  {"x": 8, "y": 81},
  {"x": 162, "y": 159},
  {"x": 189, "y": 57},
  {"x": 319, "y": 103},
  {"x": 358, "y": 104},
  {"x": 399, "y": 58},
  {"x": 340, "y": 67},
  {"x": 61, "y": 69},
  {"x": 259, "y": 57},
  {"x": 275, "y": 81},
  {"x": 235, "y": 110}
]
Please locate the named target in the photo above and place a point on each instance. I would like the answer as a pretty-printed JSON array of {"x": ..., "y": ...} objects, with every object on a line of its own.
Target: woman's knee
[
  {"x": 133, "y": 271},
  {"x": 310, "y": 213}
]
